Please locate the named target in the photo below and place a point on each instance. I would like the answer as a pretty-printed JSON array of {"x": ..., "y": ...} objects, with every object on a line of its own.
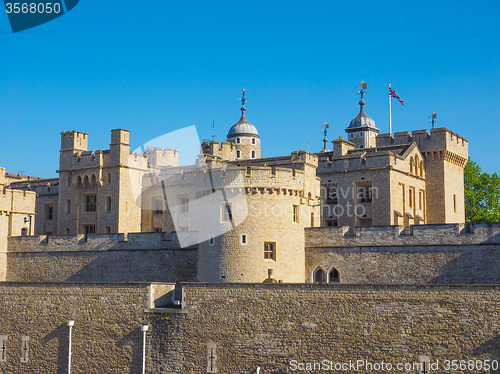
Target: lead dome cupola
[
  {"x": 242, "y": 127},
  {"x": 362, "y": 119}
]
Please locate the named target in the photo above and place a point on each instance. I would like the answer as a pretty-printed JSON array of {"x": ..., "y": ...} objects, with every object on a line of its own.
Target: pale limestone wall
[
  {"x": 106, "y": 337},
  {"x": 271, "y": 194},
  {"x": 246, "y": 146},
  {"x": 268, "y": 326},
  {"x": 445, "y": 155}
]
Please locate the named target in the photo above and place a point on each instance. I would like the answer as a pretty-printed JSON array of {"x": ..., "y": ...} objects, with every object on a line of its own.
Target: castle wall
[
  {"x": 270, "y": 325},
  {"x": 106, "y": 337},
  {"x": 442, "y": 254},
  {"x": 100, "y": 258}
]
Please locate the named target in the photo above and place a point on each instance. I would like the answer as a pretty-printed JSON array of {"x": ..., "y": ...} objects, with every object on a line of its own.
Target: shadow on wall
[
  {"x": 61, "y": 334},
  {"x": 477, "y": 267},
  {"x": 137, "y": 267},
  {"x": 491, "y": 348},
  {"x": 133, "y": 338},
  {"x": 103, "y": 266}
]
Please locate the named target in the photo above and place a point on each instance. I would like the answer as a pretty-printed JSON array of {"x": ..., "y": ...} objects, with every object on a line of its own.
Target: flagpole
[{"x": 390, "y": 115}]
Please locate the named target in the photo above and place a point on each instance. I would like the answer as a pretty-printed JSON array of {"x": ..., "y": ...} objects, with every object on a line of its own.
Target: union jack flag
[{"x": 393, "y": 93}]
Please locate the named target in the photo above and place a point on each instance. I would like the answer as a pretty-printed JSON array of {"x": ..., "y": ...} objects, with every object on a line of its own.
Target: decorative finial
[
  {"x": 361, "y": 92},
  {"x": 325, "y": 127},
  {"x": 243, "y": 100},
  {"x": 213, "y": 130},
  {"x": 433, "y": 117}
]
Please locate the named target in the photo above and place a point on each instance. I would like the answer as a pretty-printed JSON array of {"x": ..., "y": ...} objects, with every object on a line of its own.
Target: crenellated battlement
[
  {"x": 420, "y": 235},
  {"x": 441, "y": 139},
  {"x": 158, "y": 157},
  {"x": 213, "y": 150},
  {"x": 236, "y": 177},
  {"x": 95, "y": 243}
]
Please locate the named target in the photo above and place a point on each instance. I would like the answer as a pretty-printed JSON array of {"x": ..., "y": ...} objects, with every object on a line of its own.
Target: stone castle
[{"x": 375, "y": 225}]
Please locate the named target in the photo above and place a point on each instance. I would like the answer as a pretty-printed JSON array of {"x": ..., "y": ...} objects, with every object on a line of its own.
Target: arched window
[
  {"x": 421, "y": 168},
  {"x": 238, "y": 154},
  {"x": 238, "y": 140},
  {"x": 411, "y": 165},
  {"x": 253, "y": 154},
  {"x": 253, "y": 140},
  {"x": 319, "y": 276},
  {"x": 312, "y": 219},
  {"x": 24, "y": 231},
  {"x": 334, "y": 276}
]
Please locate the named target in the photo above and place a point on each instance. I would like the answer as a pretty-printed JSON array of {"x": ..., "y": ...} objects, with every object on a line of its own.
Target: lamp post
[
  {"x": 70, "y": 324},
  {"x": 144, "y": 329}
]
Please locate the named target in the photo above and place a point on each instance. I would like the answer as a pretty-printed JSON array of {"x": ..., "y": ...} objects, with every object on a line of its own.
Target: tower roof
[
  {"x": 362, "y": 119},
  {"x": 242, "y": 127}
]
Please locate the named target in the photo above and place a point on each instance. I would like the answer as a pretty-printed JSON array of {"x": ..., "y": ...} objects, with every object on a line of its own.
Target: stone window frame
[
  {"x": 24, "y": 231},
  {"x": 67, "y": 207},
  {"x": 238, "y": 154},
  {"x": 90, "y": 203},
  {"x": 316, "y": 270},
  {"x": 89, "y": 229},
  {"x": 243, "y": 239},
  {"x": 226, "y": 212},
  {"x": 339, "y": 278},
  {"x": 108, "y": 204},
  {"x": 269, "y": 251},
  {"x": 156, "y": 205},
  {"x": 67, "y": 231},
  {"x": 184, "y": 204},
  {"x": 49, "y": 212},
  {"x": 296, "y": 213},
  {"x": 253, "y": 154},
  {"x": 3, "y": 348},
  {"x": 25, "y": 349},
  {"x": 238, "y": 140},
  {"x": 253, "y": 141},
  {"x": 211, "y": 358}
]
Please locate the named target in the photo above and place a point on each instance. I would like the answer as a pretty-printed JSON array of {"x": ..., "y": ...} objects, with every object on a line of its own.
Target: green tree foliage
[{"x": 482, "y": 194}]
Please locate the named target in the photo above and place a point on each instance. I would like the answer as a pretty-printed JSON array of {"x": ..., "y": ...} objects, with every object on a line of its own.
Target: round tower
[{"x": 245, "y": 136}]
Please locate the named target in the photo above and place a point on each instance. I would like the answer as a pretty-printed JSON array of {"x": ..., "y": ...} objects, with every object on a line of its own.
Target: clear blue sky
[{"x": 155, "y": 67}]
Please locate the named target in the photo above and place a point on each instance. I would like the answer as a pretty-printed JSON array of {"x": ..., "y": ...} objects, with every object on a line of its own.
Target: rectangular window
[
  {"x": 89, "y": 229},
  {"x": 68, "y": 206},
  {"x": 184, "y": 205},
  {"x": 67, "y": 231},
  {"x": 90, "y": 204},
  {"x": 270, "y": 251},
  {"x": 333, "y": 223},
  {"x": 296, "y": 213},
  {"x": 227, "y": 214},
  {"x": 107, "y": 229},
  {"x": 211, "y": 240},
  {"x": 157, "y": 205},
  {"x": 455, "y": 203},
  {"x": 109, "y": 177},
  {"x": 3, "y": 348},
  {"x": 365, "y": 194},
  {"x": 332, "y": 198},
  {"x": 157, "y": 229},
  {"x": 25, "y": 349},
  {"x": 108, "y": 204},
  {"x": 68, "y": 181},
  {"x": 420, "y": 199},
  {"x": 49, "y": 212},
  {"x": 411, "y": 197},
  {"x": 365, "y": 222},
  {"x": 243, "y": 239}
]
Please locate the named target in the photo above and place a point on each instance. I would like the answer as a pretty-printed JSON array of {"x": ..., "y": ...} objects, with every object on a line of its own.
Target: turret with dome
[
  {"x": 245, "y": 136},
  {"x": 362, "y": 130}
]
